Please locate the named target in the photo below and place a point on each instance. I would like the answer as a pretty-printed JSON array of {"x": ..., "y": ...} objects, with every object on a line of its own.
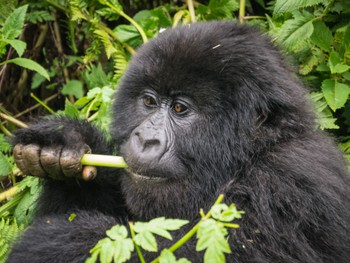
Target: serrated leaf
[
  {"x": 283, "y": 6},
  {"x": 117, "y": 232},
  {"x": 168, "y": 257},
  {"x": 14, "y": 23},
  {"x": 29, "y": 64},
  {"x": 104, "y": 37},
  {"x": 335, "y": 93},
  {"x": 70, "y": 110},
  {"x": 226, "y": 213},
  {"x": 160, "y": 226},
  {"x": 106, "y": 254},
  {"x": 123, "y": 250},
  {"x": 322, "y": 35},
  {"x": 212, "y": 238},
  {"x": 340, "y": 68},
  {"x": 294, "y": 33},
  {"x": 5, "y": 166},
  {"x": 147, "y": 241},
  {"x": 73, "y": 87},
  {"x": 18, "y": 45}
]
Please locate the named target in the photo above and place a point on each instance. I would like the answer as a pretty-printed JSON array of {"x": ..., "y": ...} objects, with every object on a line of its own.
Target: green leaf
[
  {"x": 107, "y": 247},
  {"x": 322, "y": 35},
  {"x": 29, "y": 64},
  {"x": 72, "y": 217},
  {"x": 335, "y": 93},
  {"x": 313, "y": 58},
  {"x": 147, "y": 241},
  {"x": 70, "y": 110},
  {"x": 117, "y": 232},
  {"x": 5, "y": 165},
  {"x": 168, "y": 257},
  {"x": 335, "y": 64},
  {"x": 294, "y": 33},
  {"x": 18, "y": 45},
  {"x": 128, "y": 34},
  {"x": 73, "y": 87},
  {"x": 283, "y": 6},
  {"x": 212, "y": 238},
  {"x": 218, "y": 9},
  {"x": 347, "y": 38},
  {"x": 14, "y": 23},
  {"x": 104, "y": 37},
  {"x": 226, "y": 214}
]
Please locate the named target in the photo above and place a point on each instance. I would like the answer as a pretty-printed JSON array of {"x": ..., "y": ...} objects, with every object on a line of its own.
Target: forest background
[{"x": 67, "y": 57}]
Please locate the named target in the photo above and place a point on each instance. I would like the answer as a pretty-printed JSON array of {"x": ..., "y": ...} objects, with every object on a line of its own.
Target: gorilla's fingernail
[{"x": 89, "y": 173}]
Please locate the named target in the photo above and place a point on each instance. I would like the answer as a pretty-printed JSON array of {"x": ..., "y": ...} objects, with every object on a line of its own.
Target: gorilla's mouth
[{"x": 142, "y": 178}]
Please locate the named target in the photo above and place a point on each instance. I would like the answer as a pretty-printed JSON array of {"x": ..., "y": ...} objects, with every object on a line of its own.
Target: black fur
[{"x": 252, "y": 137}]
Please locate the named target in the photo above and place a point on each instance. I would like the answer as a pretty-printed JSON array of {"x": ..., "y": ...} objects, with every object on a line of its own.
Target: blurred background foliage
[{"x": 67, "y": 57}]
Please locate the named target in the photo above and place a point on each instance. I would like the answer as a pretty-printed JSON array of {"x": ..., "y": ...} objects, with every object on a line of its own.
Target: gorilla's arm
[{"x": 54, "y": 148}]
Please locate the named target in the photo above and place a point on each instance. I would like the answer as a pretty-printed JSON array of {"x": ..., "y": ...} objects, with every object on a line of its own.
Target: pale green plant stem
[
  {"x": 241, "y": 11},
  {"x": 42, "y": 103},
  {"x": 138, "y": 250}
]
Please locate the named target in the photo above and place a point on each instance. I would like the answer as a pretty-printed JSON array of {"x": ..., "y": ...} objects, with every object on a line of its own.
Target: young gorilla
[{"x": 202, "y": 110}]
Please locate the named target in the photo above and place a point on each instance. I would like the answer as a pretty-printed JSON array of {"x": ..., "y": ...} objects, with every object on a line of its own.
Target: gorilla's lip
[{"x": 140, "y": 177}]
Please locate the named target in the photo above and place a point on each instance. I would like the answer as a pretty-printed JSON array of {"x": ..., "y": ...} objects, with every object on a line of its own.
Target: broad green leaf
[
  {"x": 218, "y": 9},
  {"x": 117, "y": 232},
  {"x": 122, "y": 251},
  {"x": 340, "y": 68},
  {"x": 14, "y": 23},
  {"x": 18, "y": 45},
  {"x": 294, "y": 33},
  {"x": 70, "y": 110},
  {"x": 147, "y": 241},
  {"x": 212, "y": 237},
  {"x": 29, "y": 64},
  {"x": 107, "y": 247},
  {"x": 168, "y": 257},
  {"x": 5, "y": 166},
  {"x": 314, "y": 58},
  {"x": 128, "y": 34},
  {"x": 73, "y": 87},
  {"x": 283, "y": 6},
  {"x": 335, "y": 93},
  {"x": 347, "y": 38},
  {"x": 322, "y": 35}
]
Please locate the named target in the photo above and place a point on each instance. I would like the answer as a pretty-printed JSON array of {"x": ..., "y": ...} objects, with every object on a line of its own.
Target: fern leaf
[
  {"x": 284, "y": 6},
  {"x": 14, "y": 23},
  {"x": 120, "y": 62},
  {"x": 104, "y": 37},
  {"x": 9, "y": 231},
  {"x": 77, "y": 8}
]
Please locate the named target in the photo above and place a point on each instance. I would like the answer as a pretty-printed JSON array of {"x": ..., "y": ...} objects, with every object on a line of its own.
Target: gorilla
[{"x": 202, "y": 110}]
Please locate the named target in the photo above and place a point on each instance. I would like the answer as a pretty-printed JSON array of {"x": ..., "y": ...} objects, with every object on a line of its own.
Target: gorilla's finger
[
  {"x": 31, "y": 158},
  {"x": 70, "y": 161},
  {"x": 18, "y": 156},
  {"x": 50, "y": 161}
]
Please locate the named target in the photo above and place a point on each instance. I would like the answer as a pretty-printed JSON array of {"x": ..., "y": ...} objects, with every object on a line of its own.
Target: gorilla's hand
[
  {"x": 54, "y": 148},
  {"x": 56, "y": 161}
]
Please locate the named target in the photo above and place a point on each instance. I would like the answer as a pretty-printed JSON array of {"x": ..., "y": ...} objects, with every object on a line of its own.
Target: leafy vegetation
[{"x": 67, "y": 57}]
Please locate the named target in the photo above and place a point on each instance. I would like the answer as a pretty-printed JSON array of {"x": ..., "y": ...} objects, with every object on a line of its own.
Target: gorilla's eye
[
  {"x": 149, "y": 101},
  {"x": 179, "y": 108}
]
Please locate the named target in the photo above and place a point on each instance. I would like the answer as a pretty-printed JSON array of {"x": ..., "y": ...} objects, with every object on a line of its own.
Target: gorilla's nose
[{"x": 147, "y": 145}]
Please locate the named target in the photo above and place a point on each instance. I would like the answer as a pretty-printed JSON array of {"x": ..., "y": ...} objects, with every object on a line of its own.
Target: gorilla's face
[{"x": 194, "y": 105}]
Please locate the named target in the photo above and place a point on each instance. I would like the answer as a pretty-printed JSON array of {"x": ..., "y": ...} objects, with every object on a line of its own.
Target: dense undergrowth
[{"x": 67, "y": 57}]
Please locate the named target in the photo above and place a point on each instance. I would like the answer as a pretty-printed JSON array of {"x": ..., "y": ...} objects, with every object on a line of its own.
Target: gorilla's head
[{"x": 195, "y": 106}]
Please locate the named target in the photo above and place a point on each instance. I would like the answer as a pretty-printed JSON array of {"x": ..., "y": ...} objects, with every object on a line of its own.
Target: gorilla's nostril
[{"x": 151, "y": 143}]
